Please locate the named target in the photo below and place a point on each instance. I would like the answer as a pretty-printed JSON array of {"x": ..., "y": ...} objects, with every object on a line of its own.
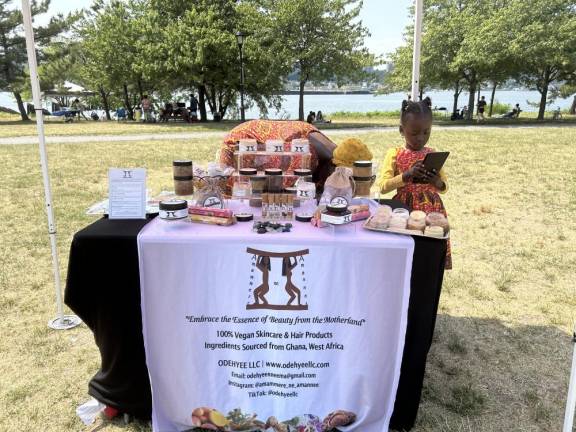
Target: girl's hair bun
[{"x": 421, "y": 107}]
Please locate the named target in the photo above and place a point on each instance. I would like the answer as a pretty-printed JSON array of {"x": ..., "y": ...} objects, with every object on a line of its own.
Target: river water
[{"x": 364, "y": 103}]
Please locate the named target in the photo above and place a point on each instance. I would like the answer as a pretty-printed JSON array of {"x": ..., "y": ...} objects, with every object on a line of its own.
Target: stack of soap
[{"x": 211, "y": 216}]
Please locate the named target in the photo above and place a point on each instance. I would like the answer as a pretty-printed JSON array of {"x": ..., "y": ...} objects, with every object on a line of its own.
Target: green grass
[{"x": 501, "y": 352}]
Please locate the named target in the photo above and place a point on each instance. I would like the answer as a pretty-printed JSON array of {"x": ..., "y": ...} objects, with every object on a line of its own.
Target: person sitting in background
[
  {"x": 557, "y": 114},
  {"x": 120, "y": 114},
  {"x": 320, "y": 118},
  {"x": 311, "y": 117},
  {"x": 180, "y": 109},
  {"x": 166, "y": 112},
  {"x": 78, "y": 108},
  {"x": 515, "y": 113}
]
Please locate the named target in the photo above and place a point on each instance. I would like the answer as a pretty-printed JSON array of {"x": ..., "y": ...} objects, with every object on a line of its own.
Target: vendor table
[{"x": 103, "y": 288}]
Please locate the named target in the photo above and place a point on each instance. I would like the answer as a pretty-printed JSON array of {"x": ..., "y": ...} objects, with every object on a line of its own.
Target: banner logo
[{"x": 263, "y": 261}]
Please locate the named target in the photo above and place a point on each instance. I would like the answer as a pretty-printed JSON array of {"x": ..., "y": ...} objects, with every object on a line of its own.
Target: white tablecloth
[{"x": 210, "y": 343}]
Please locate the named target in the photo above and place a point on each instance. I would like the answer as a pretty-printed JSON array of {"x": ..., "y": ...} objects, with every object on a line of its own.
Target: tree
[
  {"x": 13, "y": 57},
  {"x": 109, "y": 52},
  {"x": 193, "y": 45},
  {"x": 546, "y": 43},
  {"x": 323, "y": 40},
  {"x": 445, "y": 64}
]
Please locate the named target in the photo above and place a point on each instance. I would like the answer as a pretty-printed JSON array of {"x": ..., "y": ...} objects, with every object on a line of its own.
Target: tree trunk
[
  {"x": 211, "y": 99},
  {"x": 471, "y": 96},
  {"x": 456, "y": 96},
  {"x": 573, "y": 107},
  {"x": 543, "y": 99},
  {"x": 544, "y": 92},
  {"x": 301, "y": 101},
  {"x": 202, "y": 103},
  {"x": 21, "y": 108},
  {"x": 492, "y": 99},
  {"x": 105, "y": 103},
  {"x": 127, "y": 103},
  {"x": 140, "y": 89}
]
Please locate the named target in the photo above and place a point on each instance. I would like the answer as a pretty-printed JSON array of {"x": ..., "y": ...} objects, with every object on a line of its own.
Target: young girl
[{"x": 404, "y": 170}]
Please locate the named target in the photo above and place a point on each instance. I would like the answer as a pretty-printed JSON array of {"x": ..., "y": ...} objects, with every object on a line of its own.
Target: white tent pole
[
  {"x": 62, "y": 321},
  {"x": 416, "y": 53},
  {"x": 571, "y": 400}
]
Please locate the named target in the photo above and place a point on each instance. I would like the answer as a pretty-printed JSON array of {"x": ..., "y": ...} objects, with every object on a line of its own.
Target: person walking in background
[
  {"x": 146, "y": 104},
  {"x": 480, "y": 109},
  {"x": 193, "y": 107}
]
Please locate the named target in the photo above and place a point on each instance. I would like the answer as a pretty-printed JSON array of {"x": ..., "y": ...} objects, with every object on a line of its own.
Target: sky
[{"x": 385, "y": 19}]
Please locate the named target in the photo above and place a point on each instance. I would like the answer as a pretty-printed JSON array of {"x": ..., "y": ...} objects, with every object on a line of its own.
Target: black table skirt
[{"x": 103, "y": 289}]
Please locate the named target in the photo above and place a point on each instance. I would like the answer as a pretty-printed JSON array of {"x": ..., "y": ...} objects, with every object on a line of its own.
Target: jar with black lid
[
  {"x": 183, "y": 177},
  {"x": 173, "y": 210}
]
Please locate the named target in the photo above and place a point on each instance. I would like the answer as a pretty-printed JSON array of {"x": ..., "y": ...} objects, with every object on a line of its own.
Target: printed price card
[{"x": 127, "y": 193}]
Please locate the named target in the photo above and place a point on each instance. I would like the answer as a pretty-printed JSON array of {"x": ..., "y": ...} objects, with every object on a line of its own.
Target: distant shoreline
[{"x": 328, "y": 92}]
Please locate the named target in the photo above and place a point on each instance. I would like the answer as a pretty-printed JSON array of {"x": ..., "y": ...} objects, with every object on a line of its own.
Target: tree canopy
[
  {"x": 470, "y": 42},
  {"x": 13, "y": 57},
  {"x": 125, "y": 49}
]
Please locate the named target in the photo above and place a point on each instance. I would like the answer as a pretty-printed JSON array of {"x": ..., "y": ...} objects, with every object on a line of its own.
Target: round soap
[
  {"x": 401, "y": 212},
  {"x": 397, "y": 221},
  {"x": 418, "y": 215},
  {"x": 434, "y": 231}
]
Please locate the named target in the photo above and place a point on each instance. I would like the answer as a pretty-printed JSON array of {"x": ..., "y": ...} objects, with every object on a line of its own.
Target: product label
[
  {"x": 247, "y": 146},
  {"x": 212, "y": 201},
  {"x": 336, "y": 220},
  {"x": 173, "y": 214},
  {"x": 274, "y": 146},
  {"x": 339, "y": 201},
  {"x": 300, "y": 146}
]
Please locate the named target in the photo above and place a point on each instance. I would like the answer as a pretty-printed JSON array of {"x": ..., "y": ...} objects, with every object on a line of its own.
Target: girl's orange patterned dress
[{"x": 420, "y": 196}]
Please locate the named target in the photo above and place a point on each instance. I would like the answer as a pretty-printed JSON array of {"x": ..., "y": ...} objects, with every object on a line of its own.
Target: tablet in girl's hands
[{"x": 435, "y": 161}]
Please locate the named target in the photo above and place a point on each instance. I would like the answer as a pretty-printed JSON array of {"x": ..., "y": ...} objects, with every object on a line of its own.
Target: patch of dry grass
[{"x": 501, "y": 354}]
